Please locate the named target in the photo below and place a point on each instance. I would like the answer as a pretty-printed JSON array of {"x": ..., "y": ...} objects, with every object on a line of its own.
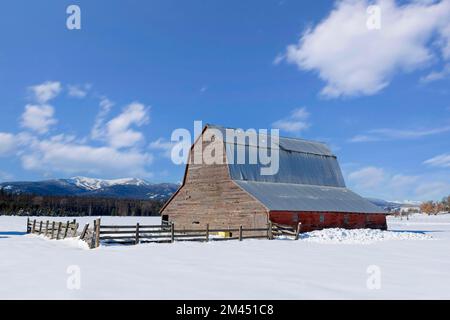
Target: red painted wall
[{"x": 321, "y": 220}]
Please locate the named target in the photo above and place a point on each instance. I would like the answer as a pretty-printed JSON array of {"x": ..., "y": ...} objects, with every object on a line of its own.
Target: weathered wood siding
[
  {"x": 209, "y": 196},
  {"x": 321, "y": 220}
]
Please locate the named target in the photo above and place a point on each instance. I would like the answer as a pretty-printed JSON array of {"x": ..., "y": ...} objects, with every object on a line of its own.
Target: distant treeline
[
  {"x": 436, "y": 207},
  {"x": 28, "y": 204}
]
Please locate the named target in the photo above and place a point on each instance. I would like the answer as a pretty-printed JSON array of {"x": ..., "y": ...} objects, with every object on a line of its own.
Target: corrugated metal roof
[
  {"x": 298, "y": 197},
  {"x": 300, "y": 161},
  {"x": 287, "y": 144},
  {"x": 294, "y": 167}
]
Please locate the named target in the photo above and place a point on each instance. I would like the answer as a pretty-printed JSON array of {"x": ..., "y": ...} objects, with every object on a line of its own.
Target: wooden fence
[
  {"x": 164, "y": 233},
  {"x": 53, "y": 229},
  {"x": 167, "y": 233}
]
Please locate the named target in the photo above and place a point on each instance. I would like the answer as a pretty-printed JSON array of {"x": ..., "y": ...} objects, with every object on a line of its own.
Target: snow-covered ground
[{"x": 411, "y": 261}]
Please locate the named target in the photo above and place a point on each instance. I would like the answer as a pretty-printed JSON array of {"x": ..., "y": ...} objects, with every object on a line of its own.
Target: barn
[{"x": 308, "y": 188}]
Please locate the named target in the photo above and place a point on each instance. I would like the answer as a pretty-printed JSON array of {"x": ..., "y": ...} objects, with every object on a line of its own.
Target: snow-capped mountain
[
  {"x": 96, "y": 184},
  {"x": 131, "y": 188},
  {"x": 394, "y": 205}
]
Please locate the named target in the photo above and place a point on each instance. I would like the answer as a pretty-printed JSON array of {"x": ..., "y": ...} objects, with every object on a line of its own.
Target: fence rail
[
  {"x": 164, "y": 233},
  {"x": 168, "y": 233}
]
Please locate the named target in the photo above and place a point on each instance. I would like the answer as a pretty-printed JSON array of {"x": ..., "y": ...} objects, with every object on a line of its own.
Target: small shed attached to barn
[{"x": 308, "y": 188}]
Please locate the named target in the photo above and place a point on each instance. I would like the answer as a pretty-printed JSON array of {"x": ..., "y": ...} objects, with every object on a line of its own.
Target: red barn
[{"x": 308, "y": 188}]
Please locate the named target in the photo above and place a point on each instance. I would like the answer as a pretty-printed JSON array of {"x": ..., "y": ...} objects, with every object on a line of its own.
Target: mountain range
[{"x": 128, "y": 188}]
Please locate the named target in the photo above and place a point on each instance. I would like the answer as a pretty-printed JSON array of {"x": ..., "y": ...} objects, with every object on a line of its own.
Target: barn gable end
[{"x": 209, "y": 196}]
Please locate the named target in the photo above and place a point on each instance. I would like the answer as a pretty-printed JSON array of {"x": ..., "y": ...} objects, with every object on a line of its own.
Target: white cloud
[
  {"x": 386, "y": 134},
  {"x": 354, "y": 60},
  {"x": 163, "y": 145},
  {"x": 378, "y": 182},
  {"x": 78, "y": 91},
  {"x": 295, "y": 123},
  {"x": 42, "y": 93},
  {"x": 105, "y": 107},
  {"x": 63, "y": 154},
  {"x": 38, "y": 118},
  {"x": 367, "y": 177},
  {"x": 437, "y": 75},
  {"x": 442, "y": 161},
  {"x": 8, "y": 143},
  {"x": 433, "y": 190},
  {"x": 118, "y": 131}
]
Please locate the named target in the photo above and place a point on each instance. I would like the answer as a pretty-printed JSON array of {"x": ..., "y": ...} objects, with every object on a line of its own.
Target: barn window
[
  {"x": 165, "y": 218},
  {"x": 322, "y": 218},
  {"x": 346, "y": 219},
  {"x": 295, "y": 217},
  {"x": 195, "y": 222}
]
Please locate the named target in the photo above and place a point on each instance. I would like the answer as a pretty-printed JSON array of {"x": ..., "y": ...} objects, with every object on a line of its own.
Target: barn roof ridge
[{"x": 321, "y": 148}]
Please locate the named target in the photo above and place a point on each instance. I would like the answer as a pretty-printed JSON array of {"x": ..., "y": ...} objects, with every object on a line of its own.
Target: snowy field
[{"x": 410, "y": 261}]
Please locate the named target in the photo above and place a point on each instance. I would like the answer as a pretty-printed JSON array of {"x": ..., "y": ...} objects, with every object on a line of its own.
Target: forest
[{"x": 33, "y": 205}]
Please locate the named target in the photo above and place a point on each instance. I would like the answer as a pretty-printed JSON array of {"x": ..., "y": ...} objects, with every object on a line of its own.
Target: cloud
[
  {"x": 105, "y": 107},
  {"x": 78, "y": 91},
  {"x": 386, "y": 134},
  {"x": 163, "y": 145},
  {"x": 118, "y": 131},
  {"x": 8, "y": 143},
  {"x": 442, "y": 161},
  {"x": 354, "y": 60},
  {"x": 295, "y": 123},
  {"x": 367, "y": 177},
  {"x": 38, "y": 118},
  {"x": 437, "y": 75},
  {"x": 42, "y": 93},
  {"x": 433, "y": 190},
  {"x": 378, "y": 182},
  {"x": 64, "y": 155}
]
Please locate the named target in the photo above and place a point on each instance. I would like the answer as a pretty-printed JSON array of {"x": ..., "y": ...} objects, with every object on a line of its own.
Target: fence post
[
  {"x": 172, "y": 232},
  {"x": 59, "y": 230},
  {"x": 137, "y": 234},
  {"x": 269, "y": 231},
  {"x": 97, "y": 233},
  {"x": 28, "y": 225},
  {"x": 83, "y": 233},
  {"x": 240, "y": 233},
  {"x": 207, "y": 232},
  {"x": 46, "y": 228},
  {"x": 34, "y": 226},
  {"x": 53, "y": 230},
  {"x": 40, "y": 227},
  {"x": 66, "y": 229},
  {"x": 75, "y": 229},
  {"x": 297, "y": 233}
]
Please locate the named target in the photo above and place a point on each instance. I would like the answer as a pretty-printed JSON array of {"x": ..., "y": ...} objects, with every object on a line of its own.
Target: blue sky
[{"x": 103, "y": 101}]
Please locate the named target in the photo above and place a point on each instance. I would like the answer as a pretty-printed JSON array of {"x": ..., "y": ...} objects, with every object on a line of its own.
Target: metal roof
[
  {"x": 286, "y": 144},
  {"x": 309, "y": 177},
  {"x": 298, "y": 197}
]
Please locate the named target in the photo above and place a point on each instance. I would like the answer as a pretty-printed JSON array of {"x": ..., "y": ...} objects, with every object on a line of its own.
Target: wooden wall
[
  {"x": 321, "y": 220},
  {"x": 209, "y": 196}
]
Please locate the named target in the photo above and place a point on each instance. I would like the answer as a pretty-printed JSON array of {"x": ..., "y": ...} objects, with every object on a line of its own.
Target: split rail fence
[
  {"x": 164, "y": 233},
  {"x": 167, "y": 233},
  {"x": 52, "y": 229}
]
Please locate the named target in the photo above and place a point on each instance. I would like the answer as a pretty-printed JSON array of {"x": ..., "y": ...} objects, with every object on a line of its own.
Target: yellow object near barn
[{"x": 226, "y": 234}]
